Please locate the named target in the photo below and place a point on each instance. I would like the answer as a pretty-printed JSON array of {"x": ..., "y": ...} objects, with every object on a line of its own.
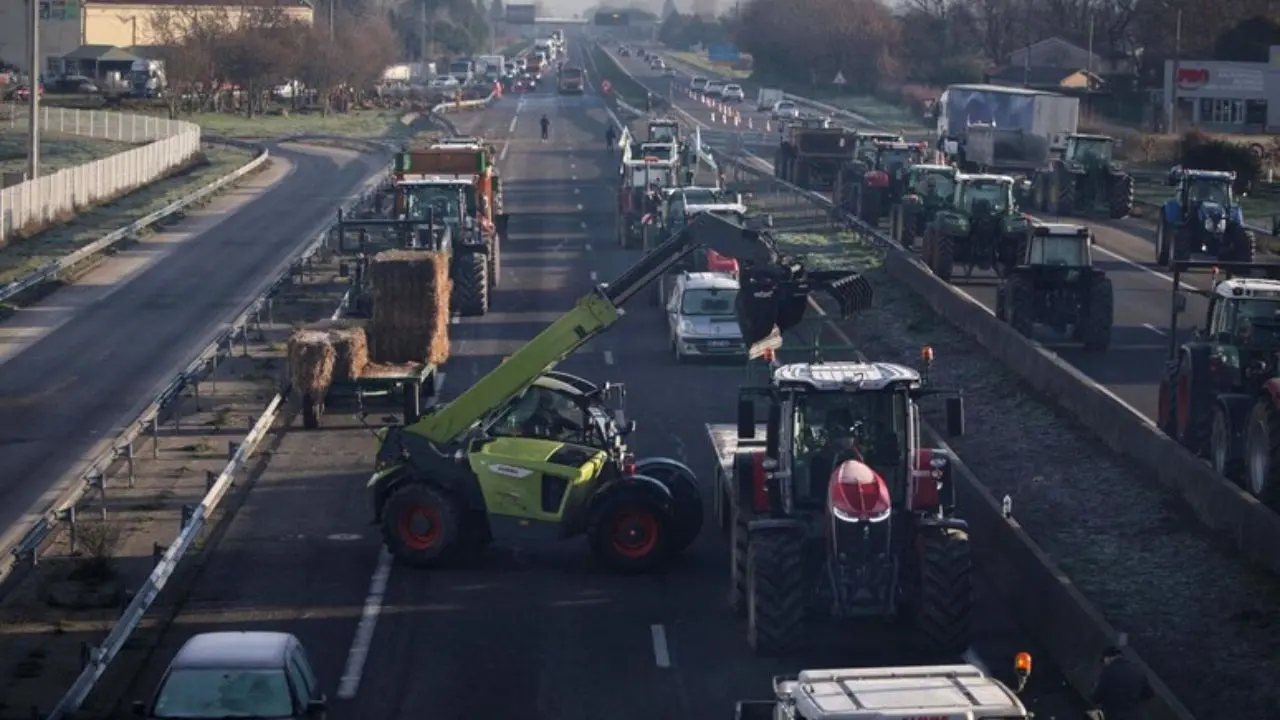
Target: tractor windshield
[
  {"x": 645, "y": 175},
  {"x": 832, "y": 427},
  {"x": 1257, "y": 322},
  {"x": 897, "y": 157},
  {"x": 1060, "y": 250},
  {"x": 1090, "y": 151},
  {"x": 662, "y": 133},
  {"x": 1202, "y": 190},
  {"x": 933, "y": 184},
  {"x": 995, "y": 195},
  {"x": 442, "y": 202}
]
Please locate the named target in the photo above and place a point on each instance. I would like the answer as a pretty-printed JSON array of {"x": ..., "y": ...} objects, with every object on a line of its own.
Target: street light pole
[{"x": 33, "y": 87}]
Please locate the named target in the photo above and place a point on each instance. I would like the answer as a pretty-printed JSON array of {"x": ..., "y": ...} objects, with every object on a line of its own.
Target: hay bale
[
  {"x": 350, "y": 345},
  {"x": 311, "y": 360},
  {"x": 410, "y": 307}
]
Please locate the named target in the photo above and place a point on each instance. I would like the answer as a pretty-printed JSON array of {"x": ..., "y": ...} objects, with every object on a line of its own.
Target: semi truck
[{"x": 992, "y": 128}]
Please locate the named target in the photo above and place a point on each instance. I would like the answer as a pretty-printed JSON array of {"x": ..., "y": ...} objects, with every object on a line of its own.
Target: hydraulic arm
[{"x": 776, "y": 291}]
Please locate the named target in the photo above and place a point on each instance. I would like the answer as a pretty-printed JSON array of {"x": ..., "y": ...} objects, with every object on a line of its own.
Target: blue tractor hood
[{"x": 1212, "y": 211}]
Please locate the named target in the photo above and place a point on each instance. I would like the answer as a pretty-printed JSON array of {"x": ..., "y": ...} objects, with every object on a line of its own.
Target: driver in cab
[{"x": 539, "y": 415}]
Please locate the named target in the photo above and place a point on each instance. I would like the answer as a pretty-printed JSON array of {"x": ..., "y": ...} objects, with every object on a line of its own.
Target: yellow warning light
[
  {"x": 926, "y": 353},
  {"x": 1022, "y": 663}
]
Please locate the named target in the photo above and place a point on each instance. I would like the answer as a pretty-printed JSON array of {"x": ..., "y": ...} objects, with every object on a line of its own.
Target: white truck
[
  {"x": 993, "y": 128},
  {"x": 146, "y": 78},
  {"x": 766, "y": 98},
  {"x": 487, "y": 63},
  {"x": 892, "y": 693}
]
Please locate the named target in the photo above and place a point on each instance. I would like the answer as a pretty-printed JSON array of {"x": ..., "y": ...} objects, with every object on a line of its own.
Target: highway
[
  {"x": 1140, "y": 342},
  {"x": 80, "y": 365},
  {"x": 558, "y": 638}
]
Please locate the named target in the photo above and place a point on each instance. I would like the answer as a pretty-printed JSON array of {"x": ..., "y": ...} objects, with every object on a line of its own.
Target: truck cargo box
[{"x": 444, "y": 160}]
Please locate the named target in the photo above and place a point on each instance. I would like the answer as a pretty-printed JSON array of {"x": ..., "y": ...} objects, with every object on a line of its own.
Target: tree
[{"x": 1249, "y": 41}]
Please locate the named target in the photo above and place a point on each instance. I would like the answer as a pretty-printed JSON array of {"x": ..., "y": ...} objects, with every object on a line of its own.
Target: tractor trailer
[{"x": 992, "y": 128}]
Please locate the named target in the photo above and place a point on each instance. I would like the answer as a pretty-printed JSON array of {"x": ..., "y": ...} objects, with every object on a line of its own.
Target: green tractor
[
  {"x": 928, "y": 189},
  {"x": 1084, "y": 180},
  {"x": 527, "y": 451},
  {"x": 981, "y": 228}
]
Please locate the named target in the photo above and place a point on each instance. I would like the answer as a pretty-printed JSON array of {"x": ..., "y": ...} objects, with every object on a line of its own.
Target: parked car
[
  {"x": 698, "y": 84},
  {"x": 701, "y": 317},
  {"x": 22, "y": 93},
  {"x": 785, "y": 109},
  {"x": 733, "y": 93},
  {"x": 219, "y": 675}
]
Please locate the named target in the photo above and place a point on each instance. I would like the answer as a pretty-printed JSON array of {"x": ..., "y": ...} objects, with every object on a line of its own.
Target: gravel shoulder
[{"x": 1186, "y": 602}]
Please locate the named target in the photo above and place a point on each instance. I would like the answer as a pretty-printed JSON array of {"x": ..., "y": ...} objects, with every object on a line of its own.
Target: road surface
[
  {"x": 76, "y": 368},
  {"x": 533, "y": 630}
]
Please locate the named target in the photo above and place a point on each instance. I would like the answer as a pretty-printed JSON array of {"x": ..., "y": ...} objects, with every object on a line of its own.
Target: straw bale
[
  {"x": 351, "y": 347},
  {"x": 410, "y": 307},
  {"x": 311, "y": 360},
  {"x": 391, "y": 370}
]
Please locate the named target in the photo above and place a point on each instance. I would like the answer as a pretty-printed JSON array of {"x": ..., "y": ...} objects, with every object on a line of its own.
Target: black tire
[
  {"x": 775, "y": 592},
  {"x": 1066, "y": 194},
  {"x": 1193, "y": 399},
  {"x": 630, "y": 530},
  {"x": 738, "y": 540},
  {"x": 1164, "y": 242},
  {"x": 471, "y": 284},
  {"x": 944, "y": 257},
  {"x": 687, "y": 510},
  {"x": 1221, "y": 455},
  {"x": 1121, "y": 200},
  {"x": 944, "y": 609},
  {"x": 1182, "y": 242},
  {"x": 420, "y": 525},
  {"x": 1262, "y": 469},
  {"x": 495, "y": 261},
  {"x": 1020, "y": 305},
  {"x": 312, "y": 411},
  {"x": 1241, "y": 244},
  {"x": 1098, "y": 312}
]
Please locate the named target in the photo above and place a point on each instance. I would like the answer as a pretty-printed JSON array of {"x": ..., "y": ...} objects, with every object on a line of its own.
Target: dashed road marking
[
  {"x": 608, "y": 360},
  {"x": 661, "y": 654},
  {"x": 363, "y": 640},
  {"x": 587, "y": 247},
  {"x": 579, "y": 207},
  {"x": 1154, "y": 329},
  {"x": 577, "y": 191},
  {"x": 582, "y": 224},
  {"x": 594, "y": 276}
]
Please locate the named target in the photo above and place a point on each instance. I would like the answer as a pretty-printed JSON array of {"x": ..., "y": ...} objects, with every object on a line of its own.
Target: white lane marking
[
  {"x": 572, "y": 166},
  {"x": 455, "y": 319},
  {"x": 577, "y": 191},
  {"x": 579, "y": 206},
  {"x": 594, "y": 276},
  {"x": 608, "y": 357},
  {"x": 360, "y": 645},
  {"x": 1154, "y": 329},
  {"x": 503, "y": 155},
  {"x": 573, "y": 177},
  {"x": 1133, "y": 263},
  {"x": 587, "y": 247},
  {"x": 661, "y": 655},
  {"x": 583, "y": 224},
  {"x": 512, "y": 127}
]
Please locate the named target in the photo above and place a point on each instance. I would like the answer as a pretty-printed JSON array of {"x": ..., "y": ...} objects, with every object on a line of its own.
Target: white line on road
[
  {"x": 512, "y": 127},
  {"x": 577, "y": 191},
  {"x": 594, "y": 276},
  {"x": 661, "y": 655},
  {"x": 364, "y": 631},
  {"x": 583, "y": 224},
  {"x": 573, "y": 177},
  {"x": 587, "y": 247},
  {"x": 579, "y": 206},
  {"x": 608, "y": 360},
  {"x": 1154, "y": 329},
  {"x": 503, "y": 155}
]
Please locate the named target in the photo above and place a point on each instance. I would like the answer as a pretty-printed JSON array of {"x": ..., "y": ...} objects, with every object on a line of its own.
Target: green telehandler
[{"x": 509, "y": 457}]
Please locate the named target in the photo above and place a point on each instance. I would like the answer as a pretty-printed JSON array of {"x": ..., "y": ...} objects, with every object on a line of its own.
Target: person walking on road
[
  {"x": 546, "y": 127},
  {"x": 609, "y": 138},
  {"x": 1122, "y": 690}
]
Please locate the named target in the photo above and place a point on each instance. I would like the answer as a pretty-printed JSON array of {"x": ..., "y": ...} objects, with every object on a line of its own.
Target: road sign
[
  {"x": 839, "y": 79},
  {"x": 605, "y": 87},
  {"x": 522, "y": 14},
  {"x": 723, "y": 54}
]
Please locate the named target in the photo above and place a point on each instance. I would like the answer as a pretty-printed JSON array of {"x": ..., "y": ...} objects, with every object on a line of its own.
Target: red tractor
[{"x": 839, "y": 509}]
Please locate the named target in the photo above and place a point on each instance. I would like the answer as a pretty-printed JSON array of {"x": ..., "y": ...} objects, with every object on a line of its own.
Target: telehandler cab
[{"x": 506, "y": 455}]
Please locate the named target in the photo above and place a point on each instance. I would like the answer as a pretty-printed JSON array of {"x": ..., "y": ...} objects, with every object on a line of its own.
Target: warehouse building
[{"x": 1234, "y": 97}]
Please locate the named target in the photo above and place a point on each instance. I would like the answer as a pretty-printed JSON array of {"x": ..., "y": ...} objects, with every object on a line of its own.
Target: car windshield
[
  {"x": 1209, "y": 190},
  {"x": 990, "y": 191},
  {"x": 442, "y": 199},
  {"x": 708, "y": 301},
  {"x": 221, "y": 693},
  {"x": 715, "y": 84},
  {"x": 732, "y": 88}
]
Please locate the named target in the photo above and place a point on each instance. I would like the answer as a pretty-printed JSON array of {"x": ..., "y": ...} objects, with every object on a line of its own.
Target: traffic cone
[
  {"x": 749, "y": 124},
  {"x": 766, "y": 126},
  {"x": 737, "y": 120},
  {"x": 713, "y": 116}
]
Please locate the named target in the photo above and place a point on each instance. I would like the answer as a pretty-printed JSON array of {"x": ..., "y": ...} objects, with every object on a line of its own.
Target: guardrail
[
  {"x": 1047, "y": 603},
  {"x": 101, "y": 657},
  {"x": 170, "y": 143}
]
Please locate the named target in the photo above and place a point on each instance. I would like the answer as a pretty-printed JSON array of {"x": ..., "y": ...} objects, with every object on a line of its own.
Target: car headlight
[{"x": 685, "y": 327}]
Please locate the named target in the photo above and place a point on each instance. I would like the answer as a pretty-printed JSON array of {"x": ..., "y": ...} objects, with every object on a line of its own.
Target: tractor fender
[
  {"x": 1272, "y": 388},
  {"x": 648, "y": 484},
  {"x": 665, "y": 463},
  {"x": 380, "y": 485},
  {"x": 1171, "y": 211}
]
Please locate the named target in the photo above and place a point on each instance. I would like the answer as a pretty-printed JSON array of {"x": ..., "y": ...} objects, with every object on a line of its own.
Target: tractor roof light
[
  {"x": 926, "y": 353},
  {"x": 1022, "y": 664}
]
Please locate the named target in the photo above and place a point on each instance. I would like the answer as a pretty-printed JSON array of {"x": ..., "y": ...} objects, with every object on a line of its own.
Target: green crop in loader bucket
[{"x": 776, "y": 297}]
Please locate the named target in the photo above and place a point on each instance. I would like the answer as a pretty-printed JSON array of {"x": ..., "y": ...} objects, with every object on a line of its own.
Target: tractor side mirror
[
  {"x": 746, "y": 419},
  {"x": 773, "y": 431},
  {"x": 1179, "y": 302},
  {"x": 955, "y": 416}
]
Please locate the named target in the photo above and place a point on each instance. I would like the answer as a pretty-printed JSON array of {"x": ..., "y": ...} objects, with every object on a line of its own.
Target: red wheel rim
[
  {"x": 1184, "y": 405},
  {"x": 634, "y": 533},
  {"x": 419, "y": 527}
]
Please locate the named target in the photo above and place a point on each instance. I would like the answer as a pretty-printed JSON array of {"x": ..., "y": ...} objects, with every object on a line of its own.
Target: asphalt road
[
  {"x": 1125, "y": 250},
  {"x": 79, "y": 366},
  {"x": 557, "y": 638}
]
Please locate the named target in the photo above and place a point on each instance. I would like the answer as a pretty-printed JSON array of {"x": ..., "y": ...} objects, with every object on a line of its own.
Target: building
[
  {"x": 1224, "y": 96},
  {"x": 1055, "y": 52},
  {"x": 68, "y": 24},
  {"x": 1052, "y": 79}
]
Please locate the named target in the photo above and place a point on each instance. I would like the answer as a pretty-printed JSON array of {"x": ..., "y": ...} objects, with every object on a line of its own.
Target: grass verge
[
  {"x": 23, "y": 256},
  {"x": 702, "y": 63},
  {"x": 355, "y": 124},
  {"x": 57, "y": 151}
]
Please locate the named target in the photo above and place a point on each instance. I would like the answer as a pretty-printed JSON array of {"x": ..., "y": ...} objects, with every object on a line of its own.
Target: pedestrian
[{"x": 1122, "y": 690}]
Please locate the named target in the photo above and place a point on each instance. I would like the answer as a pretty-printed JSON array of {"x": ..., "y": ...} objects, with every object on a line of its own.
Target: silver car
[
  {"x": 700, "y": 316},
  {"x": 221, "y": 675}
]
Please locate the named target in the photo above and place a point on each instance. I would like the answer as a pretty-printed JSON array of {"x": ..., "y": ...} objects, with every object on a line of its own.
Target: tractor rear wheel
[
  {"x": 631, "y": 530},
  {"x": 1066, "y": 200},
  {"x": 1193, "y": 399},
  {"x": 945, "y": 605},
  {"x": 1241, "y": 245},
  {"x": 1262, "y": 452},
  {"x": 420, "y": 525},
  {"x": 471, "y": 285},
  {"x": 1120, "y": 203},
  {"x": 775, "y": 591},
  {"x": 1097, "y": 314},
  {"x": 737, "y": 561},
  {"x": 944, "y": 257},
  {"x": 1164, "y": 242},
  {"x": 1020, "y": 305}
]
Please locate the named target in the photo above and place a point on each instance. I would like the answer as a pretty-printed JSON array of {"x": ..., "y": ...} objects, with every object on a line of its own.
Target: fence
[{"x": 169, "y": 144}]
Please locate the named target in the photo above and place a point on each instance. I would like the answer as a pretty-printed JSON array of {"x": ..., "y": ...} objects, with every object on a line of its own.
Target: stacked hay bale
[
  {"x": 410, "y": 307},
  {"x": 351, "y": 347},
  {"x": 325, "y": 352}
]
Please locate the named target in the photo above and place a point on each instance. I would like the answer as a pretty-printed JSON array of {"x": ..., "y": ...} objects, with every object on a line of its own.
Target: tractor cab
[
  {"x": 1244, "y": 315},
  {"x": 659, "y": 151},
  {"x": 1203, "y": 217},
  {"x": 1055, "y": 284},
  {"x": 895, "y": 157},
  {"x": 1088, "y": 150},
  {"x": 914, "y": 693},
  {"x": 983, "y": 195},
  {"x": 931, "y": 185},
  {"x": 663, "y": 130},
  {"x": 439, "y": 203},
  {"x": 1196, "y": 188},
  {"x": 1059, "y": 245},
  {"x": 868, "y": 143}
]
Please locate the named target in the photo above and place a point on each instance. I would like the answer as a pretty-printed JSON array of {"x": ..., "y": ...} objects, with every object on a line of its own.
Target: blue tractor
[{"x": 1202, "y": 217}]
